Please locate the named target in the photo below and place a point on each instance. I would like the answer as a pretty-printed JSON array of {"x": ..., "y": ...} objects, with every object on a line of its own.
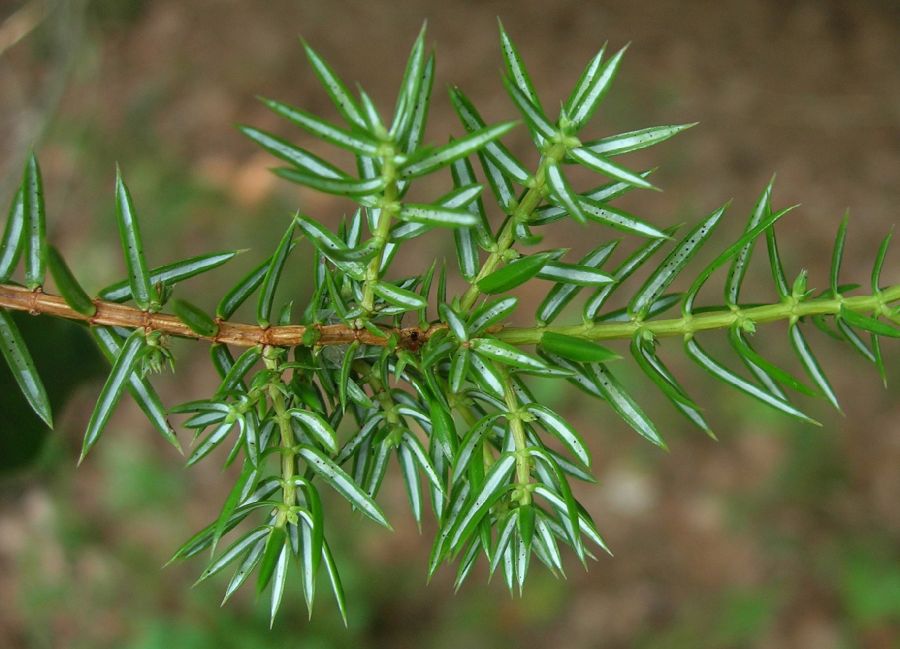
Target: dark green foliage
[{"x": 437, "y": 384}]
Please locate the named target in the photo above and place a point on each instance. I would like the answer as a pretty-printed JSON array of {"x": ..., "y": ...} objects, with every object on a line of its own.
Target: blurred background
[{"x": 779, "y": 535}]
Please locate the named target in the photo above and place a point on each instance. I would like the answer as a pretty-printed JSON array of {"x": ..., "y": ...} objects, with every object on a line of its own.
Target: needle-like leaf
[
  {"x": 430, "y": 160},
  {"x": 513, "y": 274},
  {"x": 596, "y": 86},
  {"x": 110, "y": 344},
  {"x": 665, "y": 274},
  {"x": 171, "y": 274},
  {"x": 342, "y": 483},
  {"x": 635, "y": 140},
  {"x": 303, "y": 160},
  {"x": 622, "y": 402},
  {"x": 560, "y": 428},
  {"x": 600, "y": 164},
  {"x": 68, "y": 286},
  {"x": 813, "y": 369},
  {"x": 335, "y": 87},
  {"x": 142, "y": 290},
  {"x": 122, "y": 369},
  {"x": 196, "y": 318},
  {"x": 495, "y": 151},
  {"x": 35, "y": 224},
  {"x": 355, "y": 141},
  {"x": 704, "y": 360},
  {"x": 13, "y": 236},
  {"x": 562, "y": 192},
  {"x": 577, "y": 349},
  {"x": 22, "y": 367},
  {"x": 273, "y": 276},
  {"x": 562, "y": 293}
]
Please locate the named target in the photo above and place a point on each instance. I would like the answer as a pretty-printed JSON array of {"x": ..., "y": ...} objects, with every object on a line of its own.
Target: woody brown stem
[{"x": 112, "y": 314}]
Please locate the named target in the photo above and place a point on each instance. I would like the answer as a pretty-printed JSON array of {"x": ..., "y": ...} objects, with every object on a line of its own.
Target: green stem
[
  {"x": 388, "y": 405},
  {"x": 288, "y": 456},
  {"x": 523, "y": 463},
  {"x": 529, "y": 203},
  {"x": 723, "y": 318},
  {"x": 383, "y": 229}
]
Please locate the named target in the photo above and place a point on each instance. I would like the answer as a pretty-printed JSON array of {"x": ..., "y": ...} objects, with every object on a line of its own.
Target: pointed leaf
[
  {"x": 485, "y": 374},
  {"x": 143, "y": 292},
  {"x": 171, "y": 274},
  {"x": 574, "y": 274},
  {"x": 513, "y": 274},
  {"x": 233, "y": 551},
  {"x": 68, "y": 286},
  {"x": 615, "y": 218},
  {"x": 515, "y": 67},
  {"x": 838, "y": 254},
  {"x": 400, "y": 297},
  {"x": 110, "y": 344},
  {"x": 585, "y": 80},
  {"x": 212, "y": 441},
  {"x": 736, "y": 248},
  {"x": 872, "y": 325},
  {"x": 335, "y": 580},
  {"x": 499, "y": 156},
  {"x": 561, "y": 294},
  {"x": 673, "y": 264},
  {"x": 813, "y": 369},
  {"x": 355, "y": 141},
  {"x": 413, "y": 137},
  {"x": 534, "y": 117},
  {"x": 490, "y": 313},
  {"x": 302, "y": 159},
  {"x": 562, "y": 192},
  {"x": 35, "y": 224},
  {"x": 761, "y": 367},
  {"x": 456, "y": 324},
  {"x": 342, "y": 483},
  {"x": 775, "y": 264},
  {"x": 635, "y": 140},
  {"x": 320, "y": 429},
  {"x": 596, "y": 85},
  {"x": 196, "y": 318},
  {"x": 272, "y": 277},
  {"x": 696, "y": 353},
  {"x": 459, "y": 369},
  {"x": 496, "y": 483},
  {"x": 339, "y": 186},
  {"x": 437, "y": 216},
  {"x": 335, "y": 87},
  {"x": 739, "y": 264},
  {"x": 248, "y": 474},
  {"x": 622, "y": 402},
  {"x": 432, "y": 159},
  {"x": 122, "y": 369},
  {"x": 879, "y": 262},
  {"x": 507, "y": 354},
  {"x": 600, "y": 164},
  {"x": 276, "y": 545},
  {"x": 577, "y": 349},
  {"x": 662, "y": 377},
  {"x": 622, "y": 272},
  {"x": 560, "y": 428},
  {"x": 13, "y": 236},
  {"x": 409, "y": 88},
  {"x": 22, "y": 368},
  {"x": 329, "y": 244}
]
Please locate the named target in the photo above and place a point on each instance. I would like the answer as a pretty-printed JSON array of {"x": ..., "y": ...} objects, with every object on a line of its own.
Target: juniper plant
[{"x": 406, "y": 372}]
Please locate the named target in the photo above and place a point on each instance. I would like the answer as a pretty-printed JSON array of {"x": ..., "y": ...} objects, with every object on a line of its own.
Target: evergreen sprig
[{"x": 437, "y": 383}]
